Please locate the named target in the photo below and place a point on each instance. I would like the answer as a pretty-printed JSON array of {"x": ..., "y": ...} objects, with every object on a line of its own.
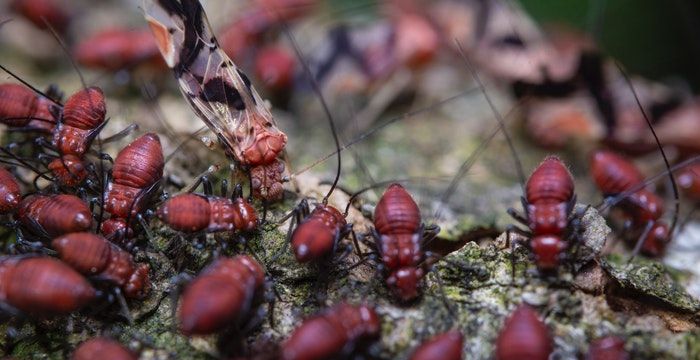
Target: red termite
[
  {"x": 100, "y": 259},
  {"x": 333, "y": 333},
  {"x": 275, "y": 66},
  {"x": 69, "y": 170},
  {"x": 22, "y": 107},
  {"x": 43, "y": 13},
  {"x": 608, "y": 348},
  {"x": 193, "y": 213},
  {"x": 399, "y": 236},
  {"x": 614, "y": 174},
  {"x": 42, "y": 286},
  {"x": 318, "y": 232},
  {"x": 116, "y": 49},
  {"x": 102, "y": 348},
  {"x": 524, "y": 336},
  {"x": 689, "y": 181},
  {"x": 447, "y": 346},
  {"x": 83, "y": 117},
  {"x": 54, "y": 215},
  {"x": 223, "y": 294},
  {"x": 137, "y": 171},
  {"x": 10, "y": 193},
  {"x": 548, "y": 204}
]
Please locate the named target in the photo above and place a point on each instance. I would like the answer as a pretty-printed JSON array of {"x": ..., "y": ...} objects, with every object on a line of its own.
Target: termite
[
  {"x": 42, "y": 286},
  {"x": 136, "y": 175},
  {"x": 524, "y": 336},
  {"x": 447, "y": 346},
  {"x": 93, "y": 256},
  {"x": 43, "y": 13},
  {"x": 219, "y": 93},
  {"x": 116, "y": 49},
  {"x": 53, "y": 215},
  {"x": 689, "y": 181},
  {"x": 10, "y": 193},
  {"x": 102, "y": 348},
  {"x": 275, "y": 65},
  {"x": 335, "y": 332},
  {"x": 191, "y": 213},
  {"x": 607, "y": 348},
  {"x": 222, "y": 295},
  {"x": 549, "y": 213}
]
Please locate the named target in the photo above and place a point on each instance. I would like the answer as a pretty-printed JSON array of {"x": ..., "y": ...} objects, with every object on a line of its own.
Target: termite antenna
[
  {"x": 25, "y": 83},
  {"x": 671, "y": 177},
  {"x": 468, "y": 163},
  {"x": 499, "y": 118},
  {"x": 385, "y": 124},
  {"x": 65, "y": 50},
  {"x": 385, "y": 183},
  {"x": 326, "y": 109}
]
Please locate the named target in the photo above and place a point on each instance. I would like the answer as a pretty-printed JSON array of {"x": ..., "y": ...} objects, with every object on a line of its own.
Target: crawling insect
[
  {"x": 335, "y": 332},
  {"x": 102, "y": 348},
  {"x": 116, "y": 49},
  {"x": 549, "y": 213},
  {"x": 524, "y": 336},
  {"x": 49, "y": 216},
  {"x": 10, "y": 193},
  {"x": 447, "y": 346},
  {"x": 136, "y": 175},
  {"x": 42, "y": 286},
  {"x": 223, "y": 294},
  {"x": 93, "y": 256}
]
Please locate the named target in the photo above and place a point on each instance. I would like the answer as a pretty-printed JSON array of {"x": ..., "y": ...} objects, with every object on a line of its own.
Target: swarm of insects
[{"x": 114, "y": 244}]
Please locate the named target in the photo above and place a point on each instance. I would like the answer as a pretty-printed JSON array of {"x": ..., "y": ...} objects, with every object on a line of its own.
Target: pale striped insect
[{"x": 219, "y": 93}]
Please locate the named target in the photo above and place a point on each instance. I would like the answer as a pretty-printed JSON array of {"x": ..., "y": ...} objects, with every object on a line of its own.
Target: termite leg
[
  {"x": 516, "y": 215},
  {"x": 224, "y": 187},
  {"x": 237, "y": 191}
]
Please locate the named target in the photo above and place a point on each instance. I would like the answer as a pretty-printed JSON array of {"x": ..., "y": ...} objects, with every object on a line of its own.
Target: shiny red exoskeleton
[
  {"x": 43, "y": 12},
  {"x": 193, "y": 213},
  {"x": 334, "y": 333},
  {"x": 608, "y": 348},
  {"x": 223, "y": 294},
  {"x": 54, "y": 215},
  {"x": 399, "y": 241},
  {"x": 318, "y": 233},
  {"x": 446, "y": 346},
  {"x": 102, "y": 348},
  {"x": 100, "y": 259},
  {"x": 83, "y": 116},
  {"x": 116, "y": 49},
  {"x": 42, "y": 286},
  {"x": 524, "y": 336},
  {"x": 138, "y": 169},
  {"x": 613, "y": 174},
  {"x": 549, "y": 201},
  {"x": 10, "y": 193}
]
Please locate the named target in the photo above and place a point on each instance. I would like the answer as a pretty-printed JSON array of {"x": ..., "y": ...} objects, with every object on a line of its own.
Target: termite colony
[{"x": 124, "y": 241}]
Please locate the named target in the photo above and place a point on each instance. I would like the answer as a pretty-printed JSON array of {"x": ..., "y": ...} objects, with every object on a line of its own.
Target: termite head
[
  {"x": 547, "y": 250},
  {"x": 404, "y": 282}
]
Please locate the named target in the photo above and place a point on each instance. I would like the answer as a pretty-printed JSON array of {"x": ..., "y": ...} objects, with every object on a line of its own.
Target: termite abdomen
[
  {"x": 42, "y": 286},
  {"x": 613, "y": 173},
  {"x": 92, "y": 255},
  {"x": 689, "y": 180},
  {"x": 193, "y": 213},
  {"x": 221, "y": 295},
  {"x": 18, "y": 104},
  {"x": 83, "y": 113},
  {"x": 54, "y": 215},
  {"x": 316, "y": 235},
  {"x": 333, "y": 333},
  {"x": 69, "y": 170},
  {"x": 117, "y": 49},
  {"x": 607, "y": 348},
  {"x": 43, "y": 13},
  {"x": 523, "y": 336},
  {"x": 396, "y": 212},
  {"x": 446, "y": 346},
  {"x": 137, "y": 167},
  {"x": 10, "y": 193},
  {"x": 102, "y": 348}
]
